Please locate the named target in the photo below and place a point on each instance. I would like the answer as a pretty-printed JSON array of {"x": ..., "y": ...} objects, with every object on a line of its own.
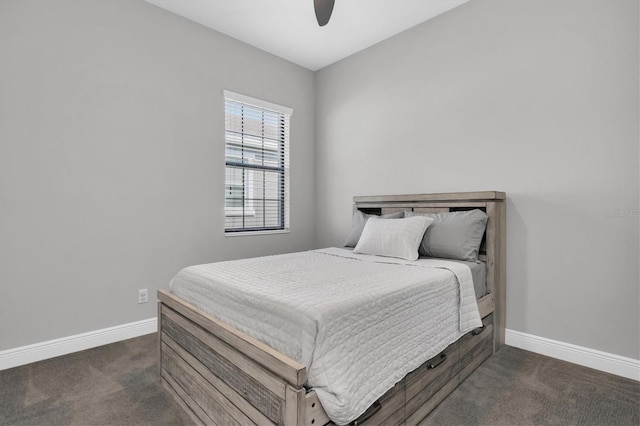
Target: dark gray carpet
[
  {"x": 516, "y": 387},
  {"x": 116, "y": 385},
  {"x": 111, "y": 385}
]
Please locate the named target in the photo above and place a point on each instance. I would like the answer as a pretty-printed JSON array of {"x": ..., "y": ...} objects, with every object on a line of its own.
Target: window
[{"x": 257, "y": 165}]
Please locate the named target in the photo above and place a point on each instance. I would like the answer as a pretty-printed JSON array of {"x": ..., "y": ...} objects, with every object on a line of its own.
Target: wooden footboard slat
[
  {"x": 283, "y": 366},
  {"x": 227, "y": 353},
  {"x": 184, "y": 400},
  {"x": 240, "y": 399},
  {"x": 220, "y": 410}
]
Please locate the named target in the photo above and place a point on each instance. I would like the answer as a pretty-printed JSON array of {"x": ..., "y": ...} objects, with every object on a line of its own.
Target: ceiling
[{"x": 288, "y": 28}]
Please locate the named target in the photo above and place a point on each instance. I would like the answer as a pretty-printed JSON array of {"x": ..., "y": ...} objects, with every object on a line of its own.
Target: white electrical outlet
[{"x": 143, "y": 296}]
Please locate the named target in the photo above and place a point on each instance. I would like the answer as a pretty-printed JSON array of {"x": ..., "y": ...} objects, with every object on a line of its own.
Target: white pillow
[{"x": 393, "y": 238}]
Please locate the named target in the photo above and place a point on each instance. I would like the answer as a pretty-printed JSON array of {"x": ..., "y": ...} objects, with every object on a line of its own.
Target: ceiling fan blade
[{"x": 323, "y": 10}]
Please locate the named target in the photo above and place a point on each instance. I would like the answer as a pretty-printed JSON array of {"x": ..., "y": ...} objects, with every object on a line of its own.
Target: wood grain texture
[
  {"x": 315, "y": 415},
  {"x": 478, "y": 359},
  {"x": 218, "y": 408},
  {"x": 390, "y": 403},
  {"x": 396, "y": 419},
  {"x": 485, "y": 305},
  {"x": 428, "y": 405},
  {"x": 496, "y": 267},
  {"x": 422, "y": 204},
  {"x": 159, "y": 340},
  {"x": 422, "y": 377},
  {"x": 430, "y": 209},
  {"x": 236, "y": 398},
  {"x": 295, "y": 408},
  {"x": 283, "y": 366},
  {"x": 222, "y": 355},
  {"x": 426, "y": 393},
  {"x": 500, "y": 288},
  {"x": 390, "y": 210},
  {"x": 178, "y": 394},
  {"x": 471, "y": 341},
  {"x": 442, "y": 197}
]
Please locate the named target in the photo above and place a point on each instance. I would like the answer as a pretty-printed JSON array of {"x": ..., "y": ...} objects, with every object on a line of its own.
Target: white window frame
[{"x": 247, "y": 211}]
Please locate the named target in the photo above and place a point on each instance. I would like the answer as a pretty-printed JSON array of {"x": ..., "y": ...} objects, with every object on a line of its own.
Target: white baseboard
[
  {"x": 603, "y": 361},
  {"x": 37, "y": 352}
]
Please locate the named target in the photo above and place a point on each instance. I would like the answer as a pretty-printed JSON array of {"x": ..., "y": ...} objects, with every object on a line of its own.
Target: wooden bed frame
[{"x": 222, "y": 376}]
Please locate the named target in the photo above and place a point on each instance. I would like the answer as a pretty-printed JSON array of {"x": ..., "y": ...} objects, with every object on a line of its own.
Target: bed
[{"x": 221, "y": 375}]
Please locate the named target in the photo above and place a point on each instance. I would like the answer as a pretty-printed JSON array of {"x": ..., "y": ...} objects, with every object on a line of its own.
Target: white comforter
[{"x": 359, "y": 323}]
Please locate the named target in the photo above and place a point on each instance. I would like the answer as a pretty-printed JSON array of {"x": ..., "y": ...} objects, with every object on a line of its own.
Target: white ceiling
[{"x": 288, "y": 28}]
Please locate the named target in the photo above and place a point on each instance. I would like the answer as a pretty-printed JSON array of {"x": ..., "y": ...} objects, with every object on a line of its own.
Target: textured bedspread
[{"x": 359, "y": 323}]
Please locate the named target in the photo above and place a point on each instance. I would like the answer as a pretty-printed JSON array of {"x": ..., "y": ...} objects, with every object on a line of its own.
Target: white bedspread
[{"x": 359, "y": 323}]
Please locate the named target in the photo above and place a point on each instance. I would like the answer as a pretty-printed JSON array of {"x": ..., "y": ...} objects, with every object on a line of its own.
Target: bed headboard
[{"x": 493, "y": 250}]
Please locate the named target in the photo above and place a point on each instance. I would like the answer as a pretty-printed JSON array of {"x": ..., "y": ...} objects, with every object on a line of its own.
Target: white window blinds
[{"x": 257, "y": 165}]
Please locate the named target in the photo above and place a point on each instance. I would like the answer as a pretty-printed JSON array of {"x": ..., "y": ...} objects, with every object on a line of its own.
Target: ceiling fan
[{"x": 323, "y": 10}]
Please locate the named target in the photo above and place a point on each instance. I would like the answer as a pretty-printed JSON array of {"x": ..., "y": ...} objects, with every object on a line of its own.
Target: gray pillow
[
  {"x": 359, "y": 220},
  {"x": 453, "y": 235}
]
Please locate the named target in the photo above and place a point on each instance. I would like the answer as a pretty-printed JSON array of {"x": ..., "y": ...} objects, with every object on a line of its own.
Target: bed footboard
[{"x": 222, "y": 375}]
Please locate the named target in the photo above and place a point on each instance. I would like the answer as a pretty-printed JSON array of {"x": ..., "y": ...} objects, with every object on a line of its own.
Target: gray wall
[
  {"x": 111, "y": 153},
  {"x": 112, "y": 159},
  {"x": 535, "y": 98}
]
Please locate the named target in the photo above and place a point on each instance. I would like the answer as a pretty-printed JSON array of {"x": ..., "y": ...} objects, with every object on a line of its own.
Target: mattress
[
  {"x": 359, "y": 323},
  {"x": 479, "y": 275}
]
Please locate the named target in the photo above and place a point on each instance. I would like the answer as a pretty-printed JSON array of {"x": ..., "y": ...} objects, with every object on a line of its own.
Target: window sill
[{"x": 253, "y": 233}]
